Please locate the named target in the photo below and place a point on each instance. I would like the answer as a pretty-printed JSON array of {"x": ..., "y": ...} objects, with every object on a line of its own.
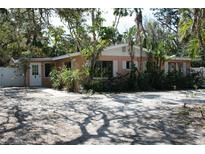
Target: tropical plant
[
  {"x": 89, "y": 38},
  {"x": 69, "y": 79},
  {"x": 55, "y": 80},
  {"x": 192, "y": 31},
  {"x": 130, "y": 38}
]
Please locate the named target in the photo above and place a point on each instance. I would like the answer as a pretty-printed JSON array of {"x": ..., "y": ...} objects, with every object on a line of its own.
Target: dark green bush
[
  {"x": 116, "y": 84},
  {"x": 198, "y": 63},
  {"x": 147, "y": 81},
  {"x": 180, "y": 81}
]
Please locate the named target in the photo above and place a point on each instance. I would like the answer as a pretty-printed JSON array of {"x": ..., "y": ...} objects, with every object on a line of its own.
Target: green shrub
[
  {"x": 144, "y": 82},
  {"x": 198, "y": 63},
  {"x": 55, "y": 79},
  {"x": 115, "y": 84},
  {"x": 67, "y": 78},
  {"x": 147, "y": 81},
  {"x": 189, "y": 81},
  {"x": 153, "y": 79}
]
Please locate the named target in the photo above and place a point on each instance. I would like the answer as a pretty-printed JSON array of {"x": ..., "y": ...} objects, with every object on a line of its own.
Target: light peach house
[{"x": 115, "y": 59}]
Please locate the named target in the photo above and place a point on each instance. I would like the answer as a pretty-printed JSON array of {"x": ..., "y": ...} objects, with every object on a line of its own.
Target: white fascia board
[
  {"x": 40, "y": 59},
  {"x": 115, "y": 46},
  {"x": 180, "y": 58},
  {"x": 66, "y": 56},
  {"x": 122, "y": 45}
]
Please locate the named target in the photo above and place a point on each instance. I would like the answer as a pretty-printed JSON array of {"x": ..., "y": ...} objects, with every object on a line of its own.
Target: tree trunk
[
  {"x": 94, "y": 56},
  {"x": 140, "y": 29},
  {"x": 197, "y": 27}
]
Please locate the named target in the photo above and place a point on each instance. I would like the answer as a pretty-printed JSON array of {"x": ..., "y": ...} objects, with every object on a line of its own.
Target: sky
[{"x": 124, "y": 24}]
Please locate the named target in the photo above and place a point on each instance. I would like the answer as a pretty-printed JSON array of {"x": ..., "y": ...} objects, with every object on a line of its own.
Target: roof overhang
[
  {"x": 66, "y": 56},
  {"x": 181, "y": 58},
  {"x": 40, "y": 59},
  {"x": 13, "y": 61},
  {"x": 122, "y": 45}
]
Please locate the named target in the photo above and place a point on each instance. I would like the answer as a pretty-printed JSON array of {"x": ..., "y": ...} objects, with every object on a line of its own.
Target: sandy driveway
[{"x": 46, "y": 116}]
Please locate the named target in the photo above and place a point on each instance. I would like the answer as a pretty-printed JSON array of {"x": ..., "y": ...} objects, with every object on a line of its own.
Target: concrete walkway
[{"x": 47, "y": 116}]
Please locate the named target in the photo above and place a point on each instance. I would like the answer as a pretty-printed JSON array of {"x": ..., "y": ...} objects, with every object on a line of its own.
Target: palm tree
[
  {"x": 119, "y": 13},
  {"x": 140, "y": 32},
  {"x": 192, "y": 30},
  {"x": 129, "y": 37}
]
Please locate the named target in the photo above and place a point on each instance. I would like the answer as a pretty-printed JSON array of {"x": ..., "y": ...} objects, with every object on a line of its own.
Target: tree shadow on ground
[
  {"x": 167, "y": 130},
  {"x": 96, "y": 122}
]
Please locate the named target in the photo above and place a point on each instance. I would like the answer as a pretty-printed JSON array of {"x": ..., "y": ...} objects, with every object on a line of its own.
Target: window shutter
[
  {"x": 115, "y": 68},
  {"x": 166, "y": 67},
  {"x": 124, "y": 64},
  {"x": 72, "y": 63},
  {"x": 136, "y": 64},
  {"x": 184, "y": 68},
  {"x": 144, "y": 66},
  {"x": 177, "y": 67}
]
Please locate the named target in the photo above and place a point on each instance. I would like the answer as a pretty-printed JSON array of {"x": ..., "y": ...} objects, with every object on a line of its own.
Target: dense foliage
[
  {"x": 147, "y": 81},
  {"x": 68, "y": 79}
]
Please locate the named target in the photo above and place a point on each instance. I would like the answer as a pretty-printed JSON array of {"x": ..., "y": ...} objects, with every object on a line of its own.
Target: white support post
[
  {"x": 184, "y": 68},
  {"x": 72, "y": 63},
  {"x": 166, "y": 67},
  {"x": 136, "y": 64},
  {"x": 144, "y": 65},
  {"x": 115, "y": 68},
  {"x": 124, "y": 65}
]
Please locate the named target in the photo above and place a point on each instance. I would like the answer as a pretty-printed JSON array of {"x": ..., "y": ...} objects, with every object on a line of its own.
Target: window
[
  {"x": 103, "y": 69},
  {"x": 128, "y": 64},
  {"x": 123, "y": 49},
  {"x": 34, "y": 69},
  {"x": 68, "y": 64},
  {"x": 48, "y": 68}
]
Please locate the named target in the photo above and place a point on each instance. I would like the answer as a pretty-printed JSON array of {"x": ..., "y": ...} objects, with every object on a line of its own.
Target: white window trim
[
  {"x": 129, "y": 64},
  {"x": 115, "y": 67},
  {"x": 125, "y": 63}
]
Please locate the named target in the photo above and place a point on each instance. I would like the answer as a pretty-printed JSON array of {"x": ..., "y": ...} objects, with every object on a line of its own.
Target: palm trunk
[
  {"x": 140, "y": 29},
  {"x": 94, "y": 55}
]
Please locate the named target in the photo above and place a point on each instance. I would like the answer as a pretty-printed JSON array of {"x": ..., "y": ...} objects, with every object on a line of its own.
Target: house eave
[
  {"x": 40, "y": 59},
  {"x": 122, "y": 45},
  {"x": 66, "y": 56},
  {"x": 181, "y": 58}
]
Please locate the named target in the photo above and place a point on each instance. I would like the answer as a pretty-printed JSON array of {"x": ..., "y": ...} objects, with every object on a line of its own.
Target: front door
[{"x": 35, "y": 74}]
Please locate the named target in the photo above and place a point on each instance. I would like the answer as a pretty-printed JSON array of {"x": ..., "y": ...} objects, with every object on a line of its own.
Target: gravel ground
[{"x": 47, "y": 116}]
